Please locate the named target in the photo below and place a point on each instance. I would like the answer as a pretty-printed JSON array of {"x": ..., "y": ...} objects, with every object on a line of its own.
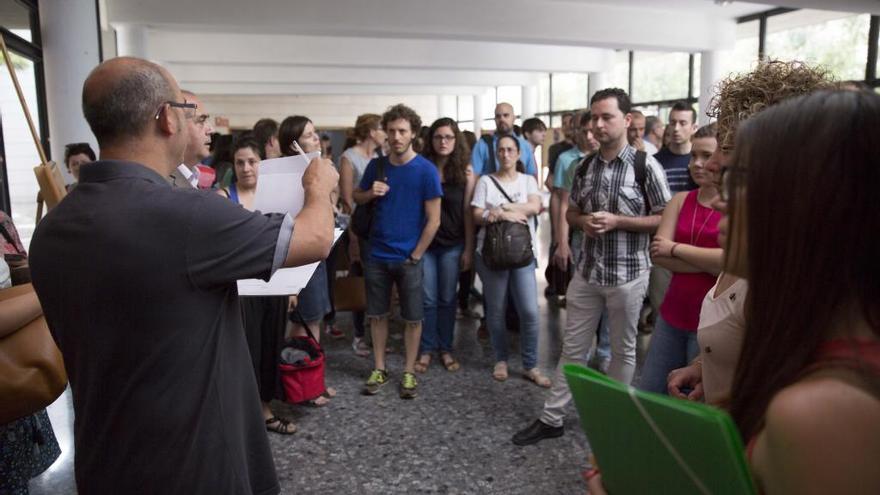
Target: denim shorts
[{"x": 379, "y": 276}]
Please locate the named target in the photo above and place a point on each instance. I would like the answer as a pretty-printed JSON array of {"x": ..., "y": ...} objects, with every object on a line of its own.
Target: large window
[
  {"x": 19, "y": 25},
  {"x": 543, "y": 94},
  {"x": 509, "y": 94},
  {"x": 835, "y": 40},
  {"x": 620, "y": 73},
  {"x": 745, "y": 52},
  {"x": 659, "y": 76},
  {"x": 570, "y": 90}
]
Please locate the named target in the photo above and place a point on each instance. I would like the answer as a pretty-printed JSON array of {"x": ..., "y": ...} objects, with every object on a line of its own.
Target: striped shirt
[{"x": 617, "y": 257}]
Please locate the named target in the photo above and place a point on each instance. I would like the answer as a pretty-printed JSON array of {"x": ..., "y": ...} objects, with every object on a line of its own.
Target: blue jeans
[
  {"x": 313, "y": 302},
  {"x": 440, "y": 269},
  {"x": 524, "y": 288},
  {"x": 671, "y": 348}
]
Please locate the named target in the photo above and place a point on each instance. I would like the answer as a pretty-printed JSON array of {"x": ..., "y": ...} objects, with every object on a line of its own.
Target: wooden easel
[{"x": 49, "y": 177}]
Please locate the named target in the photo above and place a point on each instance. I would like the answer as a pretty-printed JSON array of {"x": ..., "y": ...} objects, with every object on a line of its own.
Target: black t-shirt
[
  {"x": 451, "y": 230},
  {"x": 555, "y": 150},
  {"x": 137, "y": 282}
]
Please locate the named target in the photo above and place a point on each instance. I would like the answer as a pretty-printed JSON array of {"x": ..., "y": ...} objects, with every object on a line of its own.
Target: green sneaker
[
  {"x": 375, "y": 381},
  {"x": 408, "y": 386}
]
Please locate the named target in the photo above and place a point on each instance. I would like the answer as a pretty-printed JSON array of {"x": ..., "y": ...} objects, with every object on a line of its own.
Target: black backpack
[
  {"x": 507, "y": 245},
  {"x": 640, "y": 167},
  {"x": 362, "y": 219}
]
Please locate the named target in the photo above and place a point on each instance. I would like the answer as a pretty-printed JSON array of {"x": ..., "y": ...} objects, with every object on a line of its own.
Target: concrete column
[
  {"x": 529, "y": 101},
  {"x": 70, "y": 51},
  {"x": 711, "y": 73},
  {"x": 131, "y": 40},
  {"x": 478, "y": 114},
  {"x": 597, "y": 81},
  {"x": 446, "y": 107}
]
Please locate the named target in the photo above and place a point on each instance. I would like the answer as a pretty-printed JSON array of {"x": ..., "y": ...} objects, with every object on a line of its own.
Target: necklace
[{"x": 697, "y": 205}]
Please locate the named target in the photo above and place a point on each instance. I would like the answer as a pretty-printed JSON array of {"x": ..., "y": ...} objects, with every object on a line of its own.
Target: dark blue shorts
[{"x": 379, "y": 276}]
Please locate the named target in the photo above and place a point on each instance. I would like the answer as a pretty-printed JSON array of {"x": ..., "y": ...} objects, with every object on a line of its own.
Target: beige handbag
[{"x": 32, "y": 371}]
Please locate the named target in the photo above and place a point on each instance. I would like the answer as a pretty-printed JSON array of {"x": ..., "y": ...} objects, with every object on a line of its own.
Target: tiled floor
[{"x": 453, "y": 439}]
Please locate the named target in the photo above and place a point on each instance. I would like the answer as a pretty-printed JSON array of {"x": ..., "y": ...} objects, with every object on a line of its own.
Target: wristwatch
[{"x": 412, "y": 261}]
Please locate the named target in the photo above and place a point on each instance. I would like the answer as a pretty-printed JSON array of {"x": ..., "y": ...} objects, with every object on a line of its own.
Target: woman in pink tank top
[{"x": 686, "y": 244}]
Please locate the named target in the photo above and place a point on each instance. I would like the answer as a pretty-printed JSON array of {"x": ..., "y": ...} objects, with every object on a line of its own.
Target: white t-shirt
[{"x": 487, "y": 196}]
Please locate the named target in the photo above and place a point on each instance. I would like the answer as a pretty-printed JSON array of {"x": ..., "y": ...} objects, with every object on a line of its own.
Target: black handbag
[
  {"x": 362, "y": 219},
  {"x": 507, "y": 245}
]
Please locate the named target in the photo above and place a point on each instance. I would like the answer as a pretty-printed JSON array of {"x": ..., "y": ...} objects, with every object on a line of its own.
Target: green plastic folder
[{"x": 649, "y": 443}]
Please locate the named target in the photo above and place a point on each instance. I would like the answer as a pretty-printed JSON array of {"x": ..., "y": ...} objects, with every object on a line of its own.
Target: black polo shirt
[{"x": 137, "y": 282}]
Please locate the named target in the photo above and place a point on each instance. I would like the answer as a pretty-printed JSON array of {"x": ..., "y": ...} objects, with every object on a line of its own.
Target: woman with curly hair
[
  {"x": 452, "y": 250},
  {"x": 722, "y": 321}
]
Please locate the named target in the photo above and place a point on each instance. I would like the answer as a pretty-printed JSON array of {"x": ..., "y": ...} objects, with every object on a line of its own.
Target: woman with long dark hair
[
  {"x": 452, "y": 249},
  {"x": 802, "y": 230},
  {"x": 264, "y": 318},
  {"x": 313, "y": 302}
]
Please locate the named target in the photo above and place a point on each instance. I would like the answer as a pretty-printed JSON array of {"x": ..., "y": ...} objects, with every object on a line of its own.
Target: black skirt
[{"x": 264, "y": 321}]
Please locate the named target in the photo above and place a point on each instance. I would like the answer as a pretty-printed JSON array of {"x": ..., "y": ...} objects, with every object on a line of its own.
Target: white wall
[{"x": 324, "y": 110}]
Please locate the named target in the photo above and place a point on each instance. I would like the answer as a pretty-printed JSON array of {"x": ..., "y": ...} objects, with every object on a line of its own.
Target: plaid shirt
[{"x": 619, "y": 256}]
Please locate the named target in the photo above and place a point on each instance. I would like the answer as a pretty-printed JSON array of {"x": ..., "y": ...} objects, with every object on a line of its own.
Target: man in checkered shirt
[{"x": 619, "y": 215}]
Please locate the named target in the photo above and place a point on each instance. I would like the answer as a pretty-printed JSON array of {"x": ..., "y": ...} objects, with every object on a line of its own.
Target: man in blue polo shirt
[
  {"x": 406, "y": 216},
  {"x": 483, "y": 158}
]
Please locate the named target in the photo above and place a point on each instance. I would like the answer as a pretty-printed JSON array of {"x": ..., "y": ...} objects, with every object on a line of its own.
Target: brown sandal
[
  {"x": 449, "y": 362},
  {"x": 280, "y": 426},
  {"x": 421, "y": 365}
]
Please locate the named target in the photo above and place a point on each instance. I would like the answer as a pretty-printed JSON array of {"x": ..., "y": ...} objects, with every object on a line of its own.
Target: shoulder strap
[
  {"x": 500, "y": 188},
  {"x": 488, "y": 139},
  {"x": 584, "y": 165},
  {"x": 534, "y": 218},
  {"x": 641, "y": 170},
  {"x": 380, "y": 169}
]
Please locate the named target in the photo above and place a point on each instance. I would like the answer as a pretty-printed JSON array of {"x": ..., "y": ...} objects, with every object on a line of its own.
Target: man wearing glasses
[
  {"x": 198, "y": 147},
  {"x": 137, "y": 280}
]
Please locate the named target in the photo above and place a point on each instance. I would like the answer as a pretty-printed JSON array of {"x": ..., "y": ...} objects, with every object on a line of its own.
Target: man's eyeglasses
[{"x": 189, "y": 109}]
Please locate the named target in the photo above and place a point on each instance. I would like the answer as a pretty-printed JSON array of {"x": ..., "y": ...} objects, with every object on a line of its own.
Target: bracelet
[
  {"x": 672, "y": 251},
  {"x": 590, "y": 474},
  {"x": 486, "y": 214}
]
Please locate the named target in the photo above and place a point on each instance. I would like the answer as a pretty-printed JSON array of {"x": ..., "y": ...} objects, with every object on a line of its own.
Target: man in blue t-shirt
[
  {"x": 483, "y": 159},
  {"x": 677, "y": 155},
  {"x": 405, "y": 219}
]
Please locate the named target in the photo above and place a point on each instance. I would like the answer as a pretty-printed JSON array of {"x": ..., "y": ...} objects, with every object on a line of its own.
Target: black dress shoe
[{"x": 536, "y": 432}]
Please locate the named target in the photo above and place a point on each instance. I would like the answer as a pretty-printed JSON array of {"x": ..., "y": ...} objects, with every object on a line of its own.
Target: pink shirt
[{"x": 698, "y": 226}]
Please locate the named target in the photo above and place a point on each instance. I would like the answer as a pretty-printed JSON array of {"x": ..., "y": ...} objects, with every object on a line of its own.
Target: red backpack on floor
[{"x": 303, "y": 380}]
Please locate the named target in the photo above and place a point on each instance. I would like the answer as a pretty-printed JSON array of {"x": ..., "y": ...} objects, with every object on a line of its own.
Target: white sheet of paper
[
  {"x": 285, "y": 281},
  {"x": 280, "y": 190},
  {"x": 279, "y": 187}
]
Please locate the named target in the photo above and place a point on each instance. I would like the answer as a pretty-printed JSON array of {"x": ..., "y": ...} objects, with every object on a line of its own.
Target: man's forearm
[
  {"x": 426, "y": 238},
  {"x": 362, "y": 197},
  {"x": 575, "y": 218},
  {"x": 638, "y": 224},
  {"x": 562, "y": 228}
]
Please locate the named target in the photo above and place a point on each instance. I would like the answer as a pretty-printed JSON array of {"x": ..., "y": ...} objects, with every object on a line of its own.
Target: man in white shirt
[{"x": 198, "y": 146}]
